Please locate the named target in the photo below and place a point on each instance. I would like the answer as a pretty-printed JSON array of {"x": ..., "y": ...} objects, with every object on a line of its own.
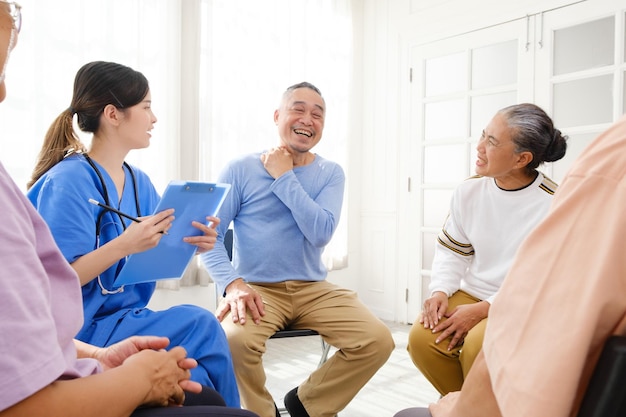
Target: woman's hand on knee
[
  {"x": 460, "y": 321},
  {"x": 434, "y": 309}
]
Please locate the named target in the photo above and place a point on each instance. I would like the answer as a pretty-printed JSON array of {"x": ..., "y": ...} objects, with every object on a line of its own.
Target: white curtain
[{"x": 57, "y": 38}]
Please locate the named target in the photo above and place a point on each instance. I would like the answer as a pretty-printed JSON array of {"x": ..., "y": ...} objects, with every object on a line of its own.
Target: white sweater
[{"x": 484, "y": 228}]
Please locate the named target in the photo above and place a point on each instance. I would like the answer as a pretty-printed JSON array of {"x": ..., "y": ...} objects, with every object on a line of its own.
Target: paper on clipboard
[{"x": 169, "y": 259}]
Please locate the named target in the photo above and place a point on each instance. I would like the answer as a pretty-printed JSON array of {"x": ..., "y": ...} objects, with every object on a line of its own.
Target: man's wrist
[{"x": 233, "y": 284}]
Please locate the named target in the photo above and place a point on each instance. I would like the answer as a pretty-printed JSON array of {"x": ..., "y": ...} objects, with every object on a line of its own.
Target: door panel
[
  {"x": 460, "y": 83},
  {"x": 580, "y": 71}
]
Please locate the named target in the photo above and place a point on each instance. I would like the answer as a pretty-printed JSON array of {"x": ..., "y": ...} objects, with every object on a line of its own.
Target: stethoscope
[{"x": 105, "y": 195}]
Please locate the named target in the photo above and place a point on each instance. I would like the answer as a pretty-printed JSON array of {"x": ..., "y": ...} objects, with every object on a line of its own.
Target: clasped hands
[{"x": 166, "y": 372}]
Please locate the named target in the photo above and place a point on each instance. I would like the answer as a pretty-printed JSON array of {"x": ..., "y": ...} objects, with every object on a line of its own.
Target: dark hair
[
  {"x": 534, "y": 132},
  {"x": 96, "y": 85}
]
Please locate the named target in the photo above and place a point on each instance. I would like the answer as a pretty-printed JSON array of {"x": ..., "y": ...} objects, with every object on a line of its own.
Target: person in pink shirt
[{"x": 564, "y": 296}]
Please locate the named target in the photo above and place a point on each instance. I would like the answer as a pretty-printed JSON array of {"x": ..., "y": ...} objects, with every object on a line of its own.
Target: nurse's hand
[
  {"x": 206, "y": 241},
  {"x": 139, "y": 237}
]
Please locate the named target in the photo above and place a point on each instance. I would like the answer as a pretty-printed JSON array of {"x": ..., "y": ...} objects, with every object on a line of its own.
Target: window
[{"x": 56, "y": 41}]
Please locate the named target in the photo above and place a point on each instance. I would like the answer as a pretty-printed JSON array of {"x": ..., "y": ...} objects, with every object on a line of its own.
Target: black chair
[
  {"x": 606, "y": 395},
  {"x": 304, "y": 332},
  {"x": 287, "y": 332}
]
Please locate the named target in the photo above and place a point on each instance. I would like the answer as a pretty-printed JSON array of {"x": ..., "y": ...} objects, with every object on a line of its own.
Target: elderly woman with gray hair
[{"x": 490, "y": 215}]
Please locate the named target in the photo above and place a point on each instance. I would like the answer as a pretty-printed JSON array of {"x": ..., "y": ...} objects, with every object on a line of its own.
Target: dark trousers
[
  {"x": 208, "y": 403},
  {"x": 193, "y": 411}
]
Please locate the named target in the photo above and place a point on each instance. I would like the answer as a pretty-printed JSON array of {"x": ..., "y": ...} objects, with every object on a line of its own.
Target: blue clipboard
[{"x": 169, "y": 259}]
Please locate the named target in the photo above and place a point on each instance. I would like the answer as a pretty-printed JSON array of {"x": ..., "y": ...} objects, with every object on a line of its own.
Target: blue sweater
[{"x": 280, "y": 226}]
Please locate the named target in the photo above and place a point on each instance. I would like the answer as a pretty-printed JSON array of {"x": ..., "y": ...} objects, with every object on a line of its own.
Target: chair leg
[{"x": 325, "y": 350}]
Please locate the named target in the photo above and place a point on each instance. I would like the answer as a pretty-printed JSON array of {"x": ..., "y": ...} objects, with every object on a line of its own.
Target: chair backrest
[
  {"x": 606, "y": 393},
  {"x": 228, "y": 243}
]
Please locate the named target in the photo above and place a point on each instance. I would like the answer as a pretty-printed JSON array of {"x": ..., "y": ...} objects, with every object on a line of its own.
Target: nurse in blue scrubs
[{"x": 113, "y": 103}]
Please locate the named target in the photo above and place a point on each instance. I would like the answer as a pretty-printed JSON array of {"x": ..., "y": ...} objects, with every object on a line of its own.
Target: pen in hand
[{"x": 121, "y": 213}]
